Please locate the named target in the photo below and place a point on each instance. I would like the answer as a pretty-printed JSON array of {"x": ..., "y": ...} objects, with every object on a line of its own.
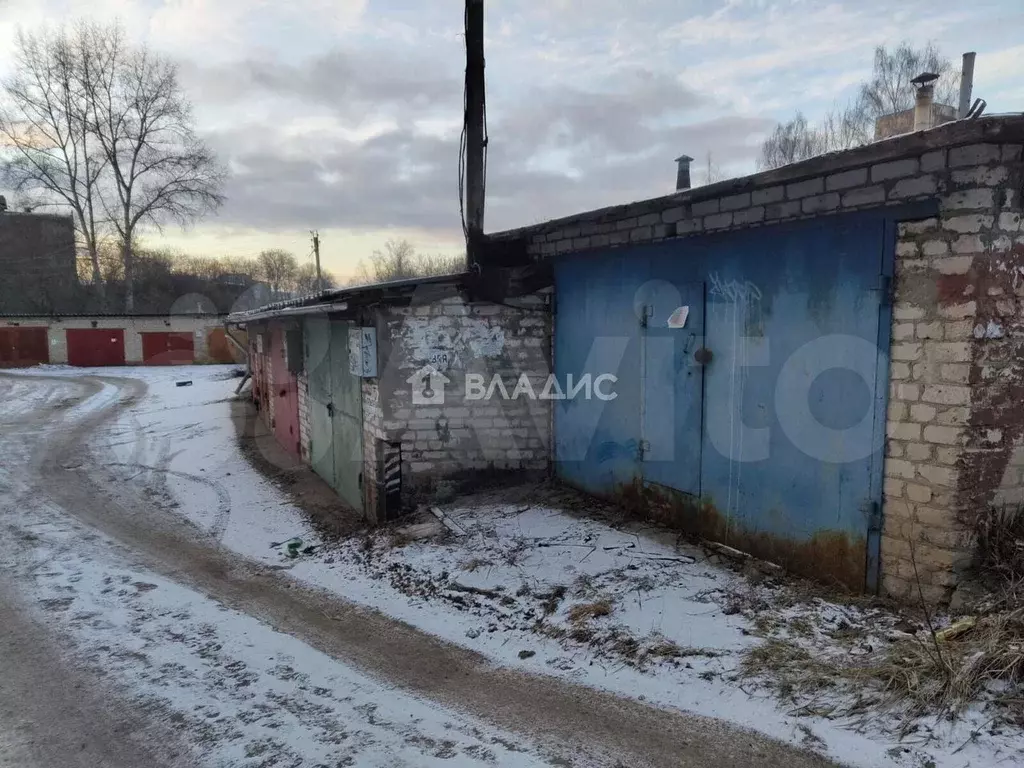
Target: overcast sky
[{"x": 344, "y": 115}]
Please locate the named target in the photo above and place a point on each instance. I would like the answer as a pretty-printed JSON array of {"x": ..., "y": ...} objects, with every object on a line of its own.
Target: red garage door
[
  {"x": 164, "y": 348},
  {"x": 23, "y": 346},
  {"x": 90, "y": 347}
]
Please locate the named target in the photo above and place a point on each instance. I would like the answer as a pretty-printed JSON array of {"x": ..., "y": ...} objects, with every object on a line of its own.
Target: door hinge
[
  {"x": 642, "y": 449},
  {"x": 647, "y": 312},
  {"x": 330, "y": 410},
  {"x": 874, "y": 517},
  {"x": 884, "y": 287}
]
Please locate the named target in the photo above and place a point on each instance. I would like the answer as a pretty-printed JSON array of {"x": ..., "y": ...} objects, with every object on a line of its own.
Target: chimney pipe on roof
[
  {"x": 683, "y": 172},
  {"x": 923, "y": 105},
  {"x": 966, "y": 84}
]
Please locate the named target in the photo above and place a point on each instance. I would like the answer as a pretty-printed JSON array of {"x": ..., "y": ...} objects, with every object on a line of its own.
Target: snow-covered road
[
  {"x": 233, "y": 690},
  {"x": 204, "y": 658}
]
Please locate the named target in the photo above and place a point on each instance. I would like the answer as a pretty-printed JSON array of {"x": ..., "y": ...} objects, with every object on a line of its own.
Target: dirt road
[{"x": 49, "y": 459}]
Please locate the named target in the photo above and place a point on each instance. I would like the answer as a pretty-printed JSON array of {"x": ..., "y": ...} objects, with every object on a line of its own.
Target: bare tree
[
  {"x": 103, "y": 127},
  {"x": 791, "y": 142},
  {"x": 845, "y": 128},
  {"x": 396, "y": 262},
  {"x": 159, "y": 170},
  {"x": 278, "y": 269},
  {"x": 710, "y": 172},
  {"x": 428, "y": 264},
  {"x": 888, "y": 91},
  {"x": 50, "y": 155},
  {"x": 305, "y": 279},
  {"x": 399, "y": 261}
]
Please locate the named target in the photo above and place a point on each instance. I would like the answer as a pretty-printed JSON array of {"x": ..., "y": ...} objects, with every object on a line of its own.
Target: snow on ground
[
  {"x": 245, "y": 694},
  {"x": 180, "y": 442},
  {"x": 538, "y": 585}
]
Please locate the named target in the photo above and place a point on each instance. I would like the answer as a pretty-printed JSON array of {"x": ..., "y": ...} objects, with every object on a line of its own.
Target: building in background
[
  {"x": 37, "y": 262},
  {"x": 103, "y": 340}
]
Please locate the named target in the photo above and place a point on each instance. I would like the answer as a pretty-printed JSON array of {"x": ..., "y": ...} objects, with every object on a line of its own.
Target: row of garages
[
  {"x": 94, "y": 341},
  {"x": 357, "y": 389},
  {"x": 811, "y": 364}
]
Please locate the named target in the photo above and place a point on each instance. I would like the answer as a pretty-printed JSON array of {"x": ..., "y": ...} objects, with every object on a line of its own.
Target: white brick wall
[
  {"x": 957, "y": 293},
  {"x": 447, "y": 442}
]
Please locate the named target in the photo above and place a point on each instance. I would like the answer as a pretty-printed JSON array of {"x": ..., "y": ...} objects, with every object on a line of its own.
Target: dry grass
[
  {"x": 475, "y": 564},
  {"x": 999, "y": 544},
  {"x": 935, "y": 672},
  {"x": 551, "y": 600},
  {"x": 928, "y": 675},
  {"x": 517, "y": 552},
  {"x": 667, "y": 649},
  {"x": 583, "y": 612},
  {"x": 397, "y": 539}
]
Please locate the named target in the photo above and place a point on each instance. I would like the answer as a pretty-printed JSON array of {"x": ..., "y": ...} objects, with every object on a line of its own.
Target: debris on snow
[{"x": 448, "y": 522}]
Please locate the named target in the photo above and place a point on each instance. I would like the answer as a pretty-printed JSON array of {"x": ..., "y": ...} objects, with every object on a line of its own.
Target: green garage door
[{"x": 335, "y": 409}]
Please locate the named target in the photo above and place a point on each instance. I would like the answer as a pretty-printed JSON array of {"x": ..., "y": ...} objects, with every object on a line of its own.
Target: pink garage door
[{"x": 285, "y": 394}]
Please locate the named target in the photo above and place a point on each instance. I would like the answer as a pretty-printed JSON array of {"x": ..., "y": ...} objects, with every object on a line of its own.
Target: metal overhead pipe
[
  {"x": 966, "y": 84},
  {"x": 683, "y": 172},
  {"x": 924, "y": 111}
]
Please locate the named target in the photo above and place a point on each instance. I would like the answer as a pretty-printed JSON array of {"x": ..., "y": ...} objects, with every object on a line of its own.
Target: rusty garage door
[
  {"x": 166, "y": 348},
  {"x": 749, "y": 376},
  {"x": 89, "y": 347},
  {"x": 23, "y": 346},
  {"x": 218, "y": 348}
]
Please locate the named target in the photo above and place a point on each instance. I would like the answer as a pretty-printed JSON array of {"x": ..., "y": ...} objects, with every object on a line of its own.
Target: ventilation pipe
[
  {"x": 683, "y": 172},
  {"x": 966, "y": 84},
  {"x": 923, "y": 105}
]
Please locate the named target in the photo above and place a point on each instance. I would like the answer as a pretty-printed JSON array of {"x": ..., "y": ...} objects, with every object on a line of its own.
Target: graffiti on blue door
[{"x": 751, "y": 384}]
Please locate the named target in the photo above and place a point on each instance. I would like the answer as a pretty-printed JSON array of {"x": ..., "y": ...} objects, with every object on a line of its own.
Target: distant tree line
[
  {"x": 398, "y": 260},
  {"x": 219, "y": 284},
  {"x": 170, "y": 281}
]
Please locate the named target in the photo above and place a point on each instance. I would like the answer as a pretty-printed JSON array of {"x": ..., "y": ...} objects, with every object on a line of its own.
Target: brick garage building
[
  {"x": 921, "y": 232},
  {"x": 97, "y": 340},
  {"x": 732, "y": 315},
  {"x": 380, "y": 376},
  {"x": 37, "y": 261}
]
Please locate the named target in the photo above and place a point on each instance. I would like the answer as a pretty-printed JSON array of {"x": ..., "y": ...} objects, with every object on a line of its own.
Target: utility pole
[
  {"x": 475, "y": 142},
  {"x": 316, "y": 253}
]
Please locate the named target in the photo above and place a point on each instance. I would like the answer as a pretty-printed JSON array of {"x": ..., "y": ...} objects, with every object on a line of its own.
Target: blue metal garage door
[{"x": 758, "y": 421}]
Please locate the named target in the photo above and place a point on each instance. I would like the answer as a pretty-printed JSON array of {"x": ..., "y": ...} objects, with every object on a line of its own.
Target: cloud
[
  {"x": 345, "y": 114},
  {"x": 554, "y": 150},
  {"x": 348, "y": 83}
]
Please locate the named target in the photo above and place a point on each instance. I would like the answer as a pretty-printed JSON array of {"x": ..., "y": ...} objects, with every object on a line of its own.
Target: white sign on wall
[
  {"x": 678, "y": 318},
  {"x": 362, "y": 352}
]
